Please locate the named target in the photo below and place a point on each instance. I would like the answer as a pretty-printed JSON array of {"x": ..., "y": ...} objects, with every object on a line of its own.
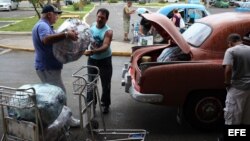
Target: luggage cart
[
  {"x": 17, "y": 129},
  {"x": 84, "y": 83}
]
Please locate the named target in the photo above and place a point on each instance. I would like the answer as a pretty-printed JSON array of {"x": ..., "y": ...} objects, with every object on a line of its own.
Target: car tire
[
  {"x": 204, "y": 109},
  {"x": 10, "y": 8}
]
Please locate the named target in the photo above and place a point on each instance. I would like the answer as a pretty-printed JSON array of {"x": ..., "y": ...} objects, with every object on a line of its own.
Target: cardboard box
[{"x": 145, "y": 40}]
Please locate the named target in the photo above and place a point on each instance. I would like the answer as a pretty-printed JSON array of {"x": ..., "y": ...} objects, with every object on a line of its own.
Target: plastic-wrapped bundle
[
  {"x": 67, "y": 50},
  {"x": 50, "y": 101},
  {"x": 55, "y": 130},
  {"x": 173, "y": 54}
]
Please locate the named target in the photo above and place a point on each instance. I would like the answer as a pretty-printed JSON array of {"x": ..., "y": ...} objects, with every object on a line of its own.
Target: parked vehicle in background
[
  {"x": 8, "y": 4},
  {"x": 243, "y": 7},
  {"x": 232, "y": 2},
  {"x": 189, "y": 12},
  {"x": 70, "y": 2},
  {"x": 172, "y": 1},
  {"x": 192, "y": 79},
  {"x": 194, "y": 1}
]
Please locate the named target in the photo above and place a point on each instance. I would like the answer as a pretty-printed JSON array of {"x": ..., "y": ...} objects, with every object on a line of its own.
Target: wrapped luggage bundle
[
  {"x": 50, "y": 100},
  {"x": 67, "y": 50},
  {"x": 173, "y": 54},
  {"x": 56, "y": 130}
]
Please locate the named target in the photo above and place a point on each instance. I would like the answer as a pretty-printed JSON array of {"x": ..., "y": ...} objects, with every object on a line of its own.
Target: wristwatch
[{"x": 66, "y": 34}]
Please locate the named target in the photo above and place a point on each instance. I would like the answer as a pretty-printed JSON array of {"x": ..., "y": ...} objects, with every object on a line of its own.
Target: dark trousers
[{"x": 106, "y": 69}]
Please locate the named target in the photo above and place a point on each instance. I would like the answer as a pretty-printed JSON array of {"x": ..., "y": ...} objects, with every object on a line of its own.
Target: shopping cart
[
  {"x": 85, "y": 83},
  {"x": 18, "y": 129}
]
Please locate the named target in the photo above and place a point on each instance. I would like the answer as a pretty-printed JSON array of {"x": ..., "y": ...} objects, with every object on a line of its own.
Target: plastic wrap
[
  {"x": 173, "y": 54},
  {"x": 50, "y": 101},
  {"x": 55, "y": 130},
  {"x": 68, "y": 50}
]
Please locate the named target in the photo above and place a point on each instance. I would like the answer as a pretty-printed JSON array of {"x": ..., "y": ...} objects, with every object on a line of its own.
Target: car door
[
  {"x": 14, "y": 4},
  {"x": 193, "y": 14}
]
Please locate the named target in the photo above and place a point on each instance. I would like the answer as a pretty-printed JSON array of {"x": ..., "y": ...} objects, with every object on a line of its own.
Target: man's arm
[
  {"x": 141, "y": 30},
  {"x": 128, "y": 11},
  {"x": 228, "y": 75},
  {"x": 106, "y": 42},
  {"x": 50, "y": 39},
  {"x": 174, "y": 19}
]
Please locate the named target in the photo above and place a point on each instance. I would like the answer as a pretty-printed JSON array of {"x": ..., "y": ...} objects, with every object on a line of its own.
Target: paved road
[
  {"x": 115, "y": 21},
  {"x": 160, "y": 121},
  {"x": 17, "y": 69},
  {"x": 17, "y": 13}
]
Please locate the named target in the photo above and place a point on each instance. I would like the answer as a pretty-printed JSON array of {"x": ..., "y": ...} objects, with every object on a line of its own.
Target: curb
[
  {"x": 121, "y": 54},
  {"x": 116, "y": 53},
  {"x": 15, "y": 48},
  {"x": 14, "y": 33}
]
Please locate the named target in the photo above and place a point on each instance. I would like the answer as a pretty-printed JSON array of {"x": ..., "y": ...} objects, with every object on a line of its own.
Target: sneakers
[
  {"x": 73, "y": 122},
  {"x": 105, "y": 110}
]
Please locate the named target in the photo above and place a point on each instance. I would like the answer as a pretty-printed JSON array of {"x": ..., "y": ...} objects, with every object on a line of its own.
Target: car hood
[{"x": 167, "y": 30}]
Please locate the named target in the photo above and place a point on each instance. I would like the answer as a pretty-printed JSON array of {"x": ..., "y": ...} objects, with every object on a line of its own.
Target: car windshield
[
  {"x": 196, "y": 34},
  {"x": 4, "y": 1},
  {"x": 245, "y": 5}
]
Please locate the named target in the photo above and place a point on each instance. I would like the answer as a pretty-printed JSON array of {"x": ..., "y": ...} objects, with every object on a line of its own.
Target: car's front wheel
[{"x": 204, "y": 110}]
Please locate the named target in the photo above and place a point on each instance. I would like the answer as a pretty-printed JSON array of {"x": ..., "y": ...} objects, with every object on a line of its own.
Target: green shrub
[
  {"x": 112, "y": 1},
  {"x": 142, "y": 2},
  {"x": 88, "y": 1},
  {"x": 76, "y": 6},
  {"x": 162, "y": 1}
]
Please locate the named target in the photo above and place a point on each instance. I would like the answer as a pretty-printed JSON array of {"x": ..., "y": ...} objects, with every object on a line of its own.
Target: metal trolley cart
[
  {"x": 84, "y": 83},
  {"x": 15, "y": 129}
]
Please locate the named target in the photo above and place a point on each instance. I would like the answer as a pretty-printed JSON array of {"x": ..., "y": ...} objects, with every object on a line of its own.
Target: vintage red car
[{"x": 194, "y": 85}]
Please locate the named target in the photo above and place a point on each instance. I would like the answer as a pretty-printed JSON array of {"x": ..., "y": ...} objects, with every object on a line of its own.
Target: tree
[
  {"x": 36, "y": 4},
  {"x": 40, "y": 3}
]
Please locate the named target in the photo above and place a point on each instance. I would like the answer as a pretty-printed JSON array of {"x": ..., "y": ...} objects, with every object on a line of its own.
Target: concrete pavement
[{"x": 23, "y": 42}]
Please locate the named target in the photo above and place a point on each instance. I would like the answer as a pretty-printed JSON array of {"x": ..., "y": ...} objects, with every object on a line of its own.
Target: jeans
[{"x": 106, "y": 69}]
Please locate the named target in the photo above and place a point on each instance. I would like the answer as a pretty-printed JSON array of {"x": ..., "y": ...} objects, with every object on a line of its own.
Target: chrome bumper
[
  {"x": 126, "y": 78},
  {"x": 129, "y": 88},
  {"x": 146, "y": 98}
]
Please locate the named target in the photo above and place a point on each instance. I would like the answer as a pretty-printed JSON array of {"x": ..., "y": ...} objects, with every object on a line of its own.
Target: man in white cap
[{"x": 48, "y": 68}]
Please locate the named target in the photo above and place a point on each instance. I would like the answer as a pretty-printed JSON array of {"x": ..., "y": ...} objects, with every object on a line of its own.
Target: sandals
[{"x": 126, "y": 39}]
